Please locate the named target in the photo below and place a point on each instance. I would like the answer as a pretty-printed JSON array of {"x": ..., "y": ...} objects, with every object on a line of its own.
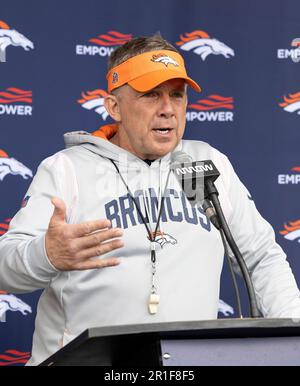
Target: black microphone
[
  {"x": 197, "y": 180},
  {"x": 193, "y": 176}
]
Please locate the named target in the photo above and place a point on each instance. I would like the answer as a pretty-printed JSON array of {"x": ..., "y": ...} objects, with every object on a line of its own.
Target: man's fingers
[
  {"x": 96, "y": 264},
  {"x": 94, "y": 239},
  {"x": 59, "y": 213},
  {"x": 101, "y": 249},
  {"x": 85, "y": 228}
]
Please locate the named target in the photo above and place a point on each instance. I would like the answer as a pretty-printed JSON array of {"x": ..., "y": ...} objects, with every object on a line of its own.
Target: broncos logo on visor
[
  {"x": 202, "y": 44},
  {"x": 166, "y": 60}
]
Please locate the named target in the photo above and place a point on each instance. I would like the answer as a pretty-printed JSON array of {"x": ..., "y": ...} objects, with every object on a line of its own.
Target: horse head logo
[
  {"x": 94, "y": 100},
  {"x": 163, "y": 238},
  {"x": 10, "y": 37},
  {"x": 291, "y": 103},
  {"x": 202, "y": 44},
  {"x": 291, "y": 231},
  {"x": 225, "y": 308},
  {"x": 12, "y": 303},
  {"x": 12, "y": 166},
  {"x": 166, "y": 60}
]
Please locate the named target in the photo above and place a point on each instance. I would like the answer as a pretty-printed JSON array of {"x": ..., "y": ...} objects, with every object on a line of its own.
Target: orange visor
[{"x": 146, "y": 71}]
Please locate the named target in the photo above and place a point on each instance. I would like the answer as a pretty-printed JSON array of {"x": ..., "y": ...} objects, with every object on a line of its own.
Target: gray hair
[{"x": 138, "y": 46}]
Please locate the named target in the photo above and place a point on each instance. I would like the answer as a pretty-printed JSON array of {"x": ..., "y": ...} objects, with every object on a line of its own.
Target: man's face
[{"x": 152, "y": 123}]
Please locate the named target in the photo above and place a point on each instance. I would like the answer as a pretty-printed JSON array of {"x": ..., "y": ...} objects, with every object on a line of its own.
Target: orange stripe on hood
[{"x": 106, "y": 132}]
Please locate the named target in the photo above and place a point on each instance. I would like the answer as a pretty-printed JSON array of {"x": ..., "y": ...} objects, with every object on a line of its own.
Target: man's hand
[{"x": 73, "y": 247}]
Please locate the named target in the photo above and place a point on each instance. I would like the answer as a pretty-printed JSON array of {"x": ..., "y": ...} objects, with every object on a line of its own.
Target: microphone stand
[
  {"x": 211, "y": 214},
  {"x": 212, "y": 193}
]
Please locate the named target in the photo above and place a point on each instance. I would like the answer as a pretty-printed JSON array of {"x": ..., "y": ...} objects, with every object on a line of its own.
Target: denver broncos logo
[
  {"x": 225, "y": 308},
  {"x": 163, "y": 238},
  {"x": 10, "y": 302},
  {"x": 291, "y": 103},
  {"x": 291, "y": 231},
  {"x": 10, "y": 37},
  {"x": 202, "y": 44},
  {"x": 112, "y": 38},
  {"x": 213, "y": 102},
  {"x": 12, "y": 166},
  {"x": 166, "y": 60},
  {"x": 94, "y": 100}
]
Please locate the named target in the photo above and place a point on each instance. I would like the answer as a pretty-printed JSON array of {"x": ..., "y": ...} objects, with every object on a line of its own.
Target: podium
[{"x": 223, "y": 342}]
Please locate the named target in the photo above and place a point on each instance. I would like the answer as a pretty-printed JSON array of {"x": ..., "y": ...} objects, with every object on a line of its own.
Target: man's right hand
[{"x": 71, "y": 247}]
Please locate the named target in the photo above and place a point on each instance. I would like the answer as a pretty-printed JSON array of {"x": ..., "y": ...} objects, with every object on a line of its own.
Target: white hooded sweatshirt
[{"x": 189, "y": 255}]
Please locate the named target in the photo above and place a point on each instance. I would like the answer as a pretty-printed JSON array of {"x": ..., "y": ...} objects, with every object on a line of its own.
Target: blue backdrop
[{"x": 245, "y": 54}]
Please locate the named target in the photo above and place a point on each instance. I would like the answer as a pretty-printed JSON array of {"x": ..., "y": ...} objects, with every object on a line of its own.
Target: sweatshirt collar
[{"x": 98, "y": 141}]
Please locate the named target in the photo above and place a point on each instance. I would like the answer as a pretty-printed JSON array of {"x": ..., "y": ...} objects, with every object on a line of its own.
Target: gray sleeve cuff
[{"x": 37, "y": 261}]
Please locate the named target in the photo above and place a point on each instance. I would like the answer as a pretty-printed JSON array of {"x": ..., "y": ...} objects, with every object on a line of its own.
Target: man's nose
[{"x": 166, "y": 108}]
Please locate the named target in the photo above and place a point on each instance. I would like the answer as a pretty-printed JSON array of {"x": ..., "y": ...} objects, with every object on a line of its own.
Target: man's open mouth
[{"x": 163, "y": 130}]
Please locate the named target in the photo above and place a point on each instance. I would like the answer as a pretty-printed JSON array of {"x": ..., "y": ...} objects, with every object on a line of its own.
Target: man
[{"x": 123, "y": 245}]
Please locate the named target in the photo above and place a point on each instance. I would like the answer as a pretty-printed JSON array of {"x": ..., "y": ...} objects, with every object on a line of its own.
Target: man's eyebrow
[{"x": 179, "y": 88}]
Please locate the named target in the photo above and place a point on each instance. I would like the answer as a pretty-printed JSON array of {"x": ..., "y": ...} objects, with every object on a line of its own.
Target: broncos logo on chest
[{"x": 163, "y": 238}]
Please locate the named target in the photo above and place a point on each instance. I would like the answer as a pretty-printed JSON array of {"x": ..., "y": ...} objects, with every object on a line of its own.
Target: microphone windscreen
[{"x": 180, "y": 157}]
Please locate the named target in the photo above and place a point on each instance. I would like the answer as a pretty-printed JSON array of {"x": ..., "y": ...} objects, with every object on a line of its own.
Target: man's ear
[{"x": 111, "y": 103}]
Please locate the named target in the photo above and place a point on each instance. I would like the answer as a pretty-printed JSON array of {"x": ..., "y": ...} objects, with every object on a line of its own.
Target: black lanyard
[{"x": 150, "y": 236}]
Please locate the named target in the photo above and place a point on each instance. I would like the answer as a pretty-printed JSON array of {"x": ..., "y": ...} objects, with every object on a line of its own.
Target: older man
[{"x": 123, "y": 244}]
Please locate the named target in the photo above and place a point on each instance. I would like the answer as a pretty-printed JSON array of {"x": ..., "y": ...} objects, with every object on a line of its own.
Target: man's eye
[
  {"x": 150, "y": 94},
  {"x": 178, "y": 94}
]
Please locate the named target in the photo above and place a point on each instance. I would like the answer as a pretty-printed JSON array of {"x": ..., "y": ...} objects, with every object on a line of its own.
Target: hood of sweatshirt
[{"x": 98, "y": 143}]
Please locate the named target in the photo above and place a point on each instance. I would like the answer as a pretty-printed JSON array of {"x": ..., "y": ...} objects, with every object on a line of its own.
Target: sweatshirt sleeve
[
  {"x": 274, "y": 283},
  {"x": 24, "y": 265}
]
